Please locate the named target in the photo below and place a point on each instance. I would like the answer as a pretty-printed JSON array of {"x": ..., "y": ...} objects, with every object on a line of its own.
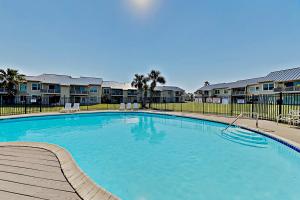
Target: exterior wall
[
  {"x": 262, "y": 91},
  {"x": 31, "y": 92},
  {"x": 95, "y": 95},
  {"x": 65, "y": 91}
]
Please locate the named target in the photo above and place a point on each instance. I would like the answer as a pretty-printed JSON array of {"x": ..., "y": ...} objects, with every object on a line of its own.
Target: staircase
[{"x": 244, "y": 137}]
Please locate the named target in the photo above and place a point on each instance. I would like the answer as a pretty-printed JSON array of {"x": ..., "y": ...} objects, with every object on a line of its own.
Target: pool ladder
[
  {"x": 229, "y": 125},
  {"x": 241, "y": 115}
]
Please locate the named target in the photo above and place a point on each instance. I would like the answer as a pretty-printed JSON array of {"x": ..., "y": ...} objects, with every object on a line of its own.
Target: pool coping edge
[{"x": 83, "y": 185}]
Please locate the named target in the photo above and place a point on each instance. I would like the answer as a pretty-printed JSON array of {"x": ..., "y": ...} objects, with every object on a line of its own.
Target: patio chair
[
  {"x": 67, "y": 108},
  {"x": 135, "y": 106},
  {"x": 76, "y": 107},
  {"x": 122, "y": 106},
  {"x": 128, "y": 106},
  {"x": 296, "y": 117},
  {"x": 285, "y": 118}
]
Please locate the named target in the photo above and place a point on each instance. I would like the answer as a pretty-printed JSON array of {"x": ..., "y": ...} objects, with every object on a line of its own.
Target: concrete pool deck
[{"x": 30, "y": 170}]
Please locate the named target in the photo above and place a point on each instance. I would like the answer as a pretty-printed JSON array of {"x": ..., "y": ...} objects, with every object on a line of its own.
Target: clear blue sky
[{"x": 188, "y": 41}]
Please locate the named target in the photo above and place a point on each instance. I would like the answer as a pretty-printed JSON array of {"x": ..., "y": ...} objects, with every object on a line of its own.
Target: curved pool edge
[
  {"x": 285, "y": 141},
  {"x": 84, "y": 186}
]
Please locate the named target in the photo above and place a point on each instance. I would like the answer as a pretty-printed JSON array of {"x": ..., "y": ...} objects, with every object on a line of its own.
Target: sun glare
[{"x": 142, "y": 7}]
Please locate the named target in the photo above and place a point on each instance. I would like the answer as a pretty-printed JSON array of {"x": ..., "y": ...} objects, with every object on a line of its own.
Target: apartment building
[
  {"x": 168, "y": 94},
  {"x": 285, "y": 81},
  {"x": 115, "y": 92},
  {"x": 55, "y": 89}
]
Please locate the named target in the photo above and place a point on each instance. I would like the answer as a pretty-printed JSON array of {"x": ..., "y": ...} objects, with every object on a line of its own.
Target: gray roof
[
  {"x": 283, "y": 75},
  {"x": 168, "y": 88},
  {"x": 236, "y": 84},
  {"x": 64, "y": 79},
  {"x": 117, "y": 85},
  {"x": 245, "y": 83},
  {"x": 215, "y": 86}
]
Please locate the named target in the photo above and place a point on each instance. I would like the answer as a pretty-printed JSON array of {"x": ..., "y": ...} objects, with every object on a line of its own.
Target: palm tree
[
  {"x": 141, "y": 83},
  {"x": 10, "y": 80},
  {"x": 155, "y": 77},
  {"x": 145, "y": 89},
  {"x": 138, "y": 83}
]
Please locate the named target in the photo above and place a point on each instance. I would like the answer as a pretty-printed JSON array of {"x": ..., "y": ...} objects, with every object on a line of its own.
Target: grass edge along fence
[{"x": 268, "y": 107}]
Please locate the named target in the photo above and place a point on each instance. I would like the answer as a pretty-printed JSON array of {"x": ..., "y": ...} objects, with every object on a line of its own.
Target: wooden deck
[{"x": 28, "y": 173}]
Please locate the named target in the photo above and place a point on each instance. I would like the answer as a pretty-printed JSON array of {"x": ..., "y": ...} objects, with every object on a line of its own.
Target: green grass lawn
[{"x": 265, "y": 111}]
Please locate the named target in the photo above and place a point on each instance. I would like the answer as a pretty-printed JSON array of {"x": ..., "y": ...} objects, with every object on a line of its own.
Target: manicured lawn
[{"x": 265, "y": 111}]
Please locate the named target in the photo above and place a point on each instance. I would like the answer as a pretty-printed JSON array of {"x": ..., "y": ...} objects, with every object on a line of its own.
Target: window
[
  {"x": 289, "y": 84},
  {"x": 217, "y": 91},
  {"x": 93, "y": 99},
  {"x": 254, "y": 89},
  {"x": 206, "y": 92},
  {"x": 35, "y": 86},
  {"x": 94, "y": 89},
  {"x": 106, "y": 91},
  {"x": 268, "y": 86},
  {"x": 225, "y": 91},
  {"x": 23, "y": 87}
]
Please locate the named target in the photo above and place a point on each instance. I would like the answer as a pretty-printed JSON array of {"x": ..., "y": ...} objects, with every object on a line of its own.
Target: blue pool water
[{"x": 140, "y": 156}]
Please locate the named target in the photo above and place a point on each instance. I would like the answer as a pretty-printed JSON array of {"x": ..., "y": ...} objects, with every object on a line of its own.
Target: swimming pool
[{"x": 140, "y": 156}]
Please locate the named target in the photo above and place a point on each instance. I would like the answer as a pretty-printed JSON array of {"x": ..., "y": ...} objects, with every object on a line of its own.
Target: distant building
[
  {"x": 59, "y": 89},
  {"x": 115, "y": 92},
  {"x": 285, "y": 81},
  {"x": 55, "y": 88}
]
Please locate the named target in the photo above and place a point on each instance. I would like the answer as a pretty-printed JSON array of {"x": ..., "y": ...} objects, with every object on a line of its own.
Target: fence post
[
  {"x": 40, "y": 99},
  {"x": 87, "y": 103},
  {"x": 1, "y": 106},
  {"x": 25, "y": 104},
  {"x": 203, "y": 106},
  {"x": 280, "y": 103},
  {"x": 252, "y": 105},
  {"x": 231, "y": 105}
]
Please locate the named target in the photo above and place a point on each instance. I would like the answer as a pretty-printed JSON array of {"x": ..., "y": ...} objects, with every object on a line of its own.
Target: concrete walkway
[{"x": 28, "y": 173}]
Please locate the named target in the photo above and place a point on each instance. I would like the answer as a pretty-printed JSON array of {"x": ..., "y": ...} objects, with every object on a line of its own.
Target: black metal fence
[
  {"x": 26, "y": 104},
  {"x": 267, "y": 106}
]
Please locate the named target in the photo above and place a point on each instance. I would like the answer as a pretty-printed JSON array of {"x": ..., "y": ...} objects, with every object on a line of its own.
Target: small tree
[
  {"x": 206, "y": 83},
  {"x": 155, "y": 78},
  {"x": 10, "y": 80}
]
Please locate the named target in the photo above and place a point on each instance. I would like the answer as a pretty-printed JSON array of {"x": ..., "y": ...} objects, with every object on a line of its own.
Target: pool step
[{"x": 245, "y": 137}]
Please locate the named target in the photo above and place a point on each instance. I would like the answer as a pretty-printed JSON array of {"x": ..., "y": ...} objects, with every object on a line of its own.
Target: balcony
[
  {"x": 116, "y": 92},
  {"x": 79, "y": 92},
  {"x": 132, "y": 93},
  {"x": 50, "y": 91},
  {"x": 238, "y": 93},
  {"x": 2, "y": 90},
  {"x": 288, "y": 89},
  {"x": 279, "y": 89}
]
